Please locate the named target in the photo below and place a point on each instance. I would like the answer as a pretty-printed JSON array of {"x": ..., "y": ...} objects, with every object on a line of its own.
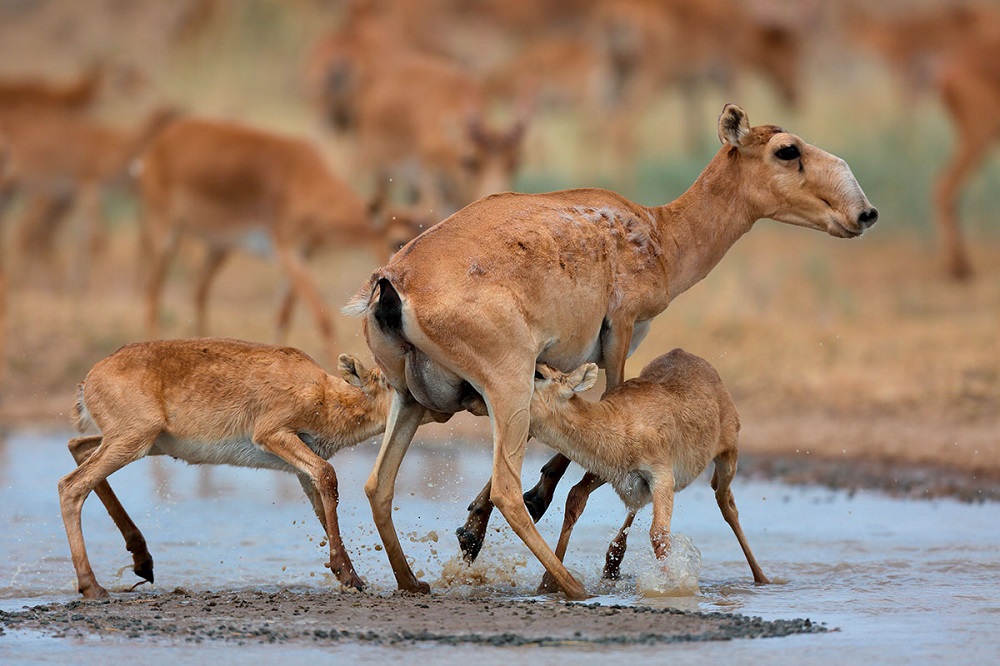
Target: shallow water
[{"x": 901, "y": 581}]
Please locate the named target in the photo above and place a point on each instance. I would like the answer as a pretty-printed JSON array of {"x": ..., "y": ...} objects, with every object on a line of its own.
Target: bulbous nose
[{"x": 868, "y": 217}]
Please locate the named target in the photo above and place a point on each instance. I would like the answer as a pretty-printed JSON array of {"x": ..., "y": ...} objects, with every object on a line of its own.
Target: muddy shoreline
[
  {"x": 894, "y": 478},
  {"x": 322, "y": 618},
  {"x": 287, "y": 617}
]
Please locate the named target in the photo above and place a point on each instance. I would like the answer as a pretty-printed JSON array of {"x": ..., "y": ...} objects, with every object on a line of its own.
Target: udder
[{"x": 439, "y": 389}]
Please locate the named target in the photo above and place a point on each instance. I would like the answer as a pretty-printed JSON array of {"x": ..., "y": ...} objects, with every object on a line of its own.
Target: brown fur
[
  {"x": 460, "y": 315},
  {"x": 222, "y": 182},
  {"x": 222, "y": 402},
  {"x": 649, "y": 437},
  {"x": 41, "y": 94},
  {"x": 63, "y": 162}
]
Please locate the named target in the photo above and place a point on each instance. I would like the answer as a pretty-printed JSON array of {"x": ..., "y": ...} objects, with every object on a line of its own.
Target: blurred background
[{"x": 884, "y": 347}]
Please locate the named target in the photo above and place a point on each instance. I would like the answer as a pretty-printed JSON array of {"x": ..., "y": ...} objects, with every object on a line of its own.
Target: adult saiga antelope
[
  {"x": 221, "y": 402},
  {"x": 459, "y": 317}
]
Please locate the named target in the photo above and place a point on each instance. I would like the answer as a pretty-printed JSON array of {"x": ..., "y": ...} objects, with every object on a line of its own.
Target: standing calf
[
  {"x": 221, "y": 402},
  {"x": 649, "y": 438}
]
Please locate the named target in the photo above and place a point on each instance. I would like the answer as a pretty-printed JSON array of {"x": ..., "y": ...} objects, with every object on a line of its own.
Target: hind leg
[
  {"x": 404, "y": 418},
  {"x": 725, "y": 470},
  {"x": 471, "y": 535},
  {"x": 135, "y": 543},
  {"x": 616, "y": 550},
  {"x": 509, "y": 402},
  {"x": 953, "y": 249},
  {"x": 113, "y": 454}
]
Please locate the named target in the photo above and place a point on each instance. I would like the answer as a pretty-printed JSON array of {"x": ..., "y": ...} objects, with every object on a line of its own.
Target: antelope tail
[
  {"x": 361, "y": 301},
  {"x": 81, "y": 417}
]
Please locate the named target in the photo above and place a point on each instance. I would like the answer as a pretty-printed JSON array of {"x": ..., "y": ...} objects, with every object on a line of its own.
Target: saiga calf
[
  {"x": 220, "y": 402},
  {"x": 648, "y": 437}
]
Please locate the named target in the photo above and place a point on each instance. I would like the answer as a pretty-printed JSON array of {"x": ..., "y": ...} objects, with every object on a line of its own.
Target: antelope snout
[{"x": 868, "y": 217}]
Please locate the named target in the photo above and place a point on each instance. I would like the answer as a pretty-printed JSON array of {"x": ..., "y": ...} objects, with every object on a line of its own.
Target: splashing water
[
  {"x": 676, "y": 575},
  {"x": 926, "y": 571}
]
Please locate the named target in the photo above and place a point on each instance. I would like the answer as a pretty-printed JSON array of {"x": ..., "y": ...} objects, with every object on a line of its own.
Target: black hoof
[
  {"x": 144, "y": 569},
  {"x": 470, "y": 543},
  {"x": 536, "y": 505}
]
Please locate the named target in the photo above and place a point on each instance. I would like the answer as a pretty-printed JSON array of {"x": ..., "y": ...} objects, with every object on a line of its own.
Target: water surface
[{"x": 901, "y": 581}]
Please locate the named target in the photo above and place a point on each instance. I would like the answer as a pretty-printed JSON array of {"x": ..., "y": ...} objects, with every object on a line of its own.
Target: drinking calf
[
  {"x": 221, "y": 402},
  {"x": 648, "y": 437}
]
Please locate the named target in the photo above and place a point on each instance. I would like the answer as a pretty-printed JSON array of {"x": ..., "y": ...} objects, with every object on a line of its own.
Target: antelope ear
[
  {"x": 583, "y": 378},
  {"x": 734, "y": 125},
  {"x": 543, "y": 371},
  {"x": 351, "y": 370}
]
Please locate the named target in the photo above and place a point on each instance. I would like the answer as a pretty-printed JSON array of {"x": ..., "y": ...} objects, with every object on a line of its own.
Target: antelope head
[
  {"x": 788, "y": 180},
  {"x": 372, "y": 383},
  {"x": 492, "y": 156},
  {"x": 554, "y": 388}
]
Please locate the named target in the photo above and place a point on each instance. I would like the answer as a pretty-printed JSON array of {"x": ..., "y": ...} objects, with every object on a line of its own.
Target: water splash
[
  {"x": 676, "y": 575},
  {"x": 490, "y": 572}
]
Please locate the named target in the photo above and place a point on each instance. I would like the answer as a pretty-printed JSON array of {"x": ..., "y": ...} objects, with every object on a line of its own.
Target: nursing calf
[
  {"x": 221, "y": 402},
  {"x": 649, "y": 438}
]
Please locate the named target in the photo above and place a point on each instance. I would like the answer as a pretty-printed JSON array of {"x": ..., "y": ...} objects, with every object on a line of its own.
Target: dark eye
[
  {"x": 787, "y": 153},
  {"x": 538, "y": 375}
]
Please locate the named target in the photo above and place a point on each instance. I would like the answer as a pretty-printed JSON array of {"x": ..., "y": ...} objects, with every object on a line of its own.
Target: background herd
[{"x": 417, "y": 108}]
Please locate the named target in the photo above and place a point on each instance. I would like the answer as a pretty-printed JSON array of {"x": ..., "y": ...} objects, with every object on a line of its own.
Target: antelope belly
[{"x": 236, "y": 452}]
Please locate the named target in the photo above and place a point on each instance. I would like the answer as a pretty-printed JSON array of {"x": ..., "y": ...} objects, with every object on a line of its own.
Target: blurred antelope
[
  {"x": 954, "y": 49},
  {"x": 649, "y": 438},
  {"x": 460, "y": 316},
  {"x": 421, "y": 119},
  {"x": 63, "y": 162},
  {"x": 915, "y": 42},
  {"x": 424, "y": 123},
  {"x": 213, "y": 401},
  {"x": 649, "y": 46},
  {"x": 34, "y": 93},
  {"x": 969, "y": 84},
  {"x": 233, "y": 186}
]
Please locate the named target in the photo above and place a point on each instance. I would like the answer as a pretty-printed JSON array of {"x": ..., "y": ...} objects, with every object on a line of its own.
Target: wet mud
[
  {"x": 289, "y": 617},
  {"x": 892, "y": 477}
]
